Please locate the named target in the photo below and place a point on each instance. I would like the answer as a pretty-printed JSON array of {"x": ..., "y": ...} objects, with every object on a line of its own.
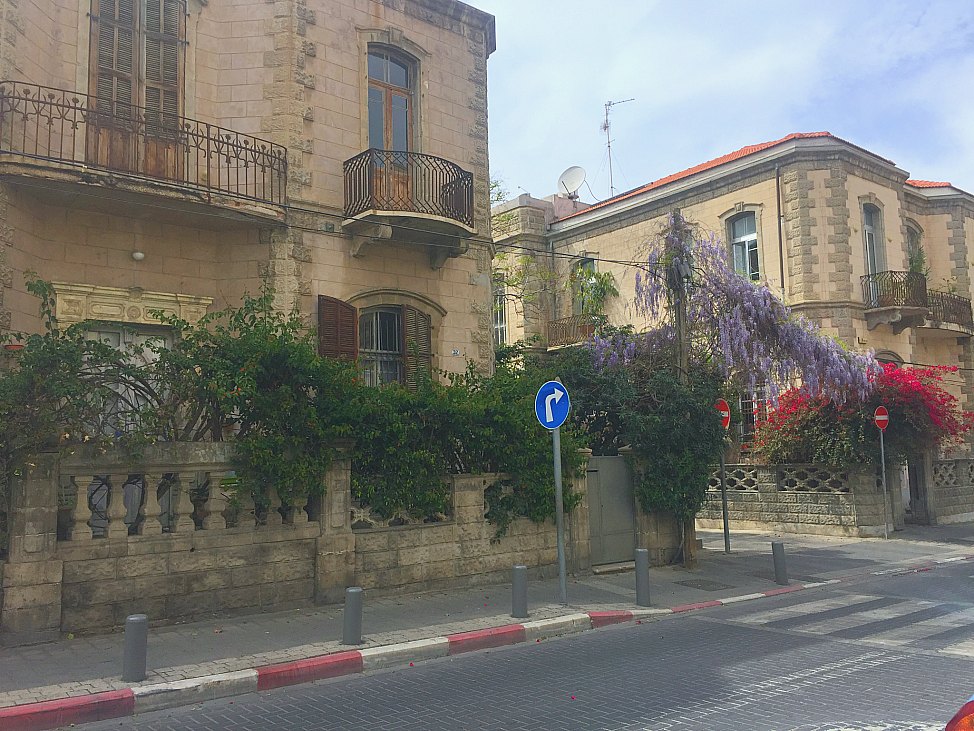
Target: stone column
[
  {"x": 335, "y": 554},
  {"x": 152, "y": 525},
  {"x": 184, "y": 506},
  {"x": 80, "y": 526},
  {"x": 215, "y": 504},
  {"x": 31, "y": 609},
  {"x": 578, "y": 544},
  {"x": 273, "y": 509},
  {"x": 116, "y": 508}
]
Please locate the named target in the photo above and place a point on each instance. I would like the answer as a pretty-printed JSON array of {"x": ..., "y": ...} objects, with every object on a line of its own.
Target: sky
[{"x": 711, "y": 76}]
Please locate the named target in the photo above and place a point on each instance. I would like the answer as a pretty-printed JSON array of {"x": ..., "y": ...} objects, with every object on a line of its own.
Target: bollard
[
  {"x": 519, "y": 592},
  {"x": 780, "y": 570},
  {"x": 642, "y": 577},
  {"x": 352, "y": 616},
  {"x": 136, "y": 645}
]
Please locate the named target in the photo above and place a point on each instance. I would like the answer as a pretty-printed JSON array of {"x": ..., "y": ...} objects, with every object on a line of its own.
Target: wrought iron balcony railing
[
  {"x": 894, "y": 289},
  {"x": 909, "y": 289},
  {"x": 386, "y": 180},
  {"x": 42, "y": 123},
  {"x": 948, "y": 307},
  {"x": 570, "y": 330}
]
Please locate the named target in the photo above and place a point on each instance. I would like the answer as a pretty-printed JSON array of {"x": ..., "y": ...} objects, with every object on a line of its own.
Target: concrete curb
[{"x": 141, "y": 699}]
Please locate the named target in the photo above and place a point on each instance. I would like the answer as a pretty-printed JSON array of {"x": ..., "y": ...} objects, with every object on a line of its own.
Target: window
[
  {"x": 391, "y": 84},
  {"x": 916, "y": 257},
  {"x": 872, "y": 236},
  {"x": 380, "y": 345},
  {"x": 744, "y": 246},
  {"x": 392, "y": 343},
  {"x": 582, "y": 273},
  {"x": 136, "y": 59},
  {"x": 500, "y": 312},
  {"x": 754, "y": 409}
]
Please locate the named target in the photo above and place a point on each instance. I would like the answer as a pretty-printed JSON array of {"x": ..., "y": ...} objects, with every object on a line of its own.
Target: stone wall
[
  {"x": 798, "y": 499},
  {"x": 952, "y": 498},
  {"x": 462, "y": 551},
  {"x": 96, "y": 538}
]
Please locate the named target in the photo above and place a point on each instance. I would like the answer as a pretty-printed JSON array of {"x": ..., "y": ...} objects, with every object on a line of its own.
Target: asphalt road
[{"x": 896, "y": 652}]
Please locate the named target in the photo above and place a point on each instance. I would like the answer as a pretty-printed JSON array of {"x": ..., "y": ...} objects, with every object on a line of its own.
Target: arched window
[
  {"x": 392, "y": 342},
  {"x": 582, "y": 274},
  {"x": 915, "y": 255},
  {"x": 392, "y": 84},
  {"x": 743, "y": 234}
]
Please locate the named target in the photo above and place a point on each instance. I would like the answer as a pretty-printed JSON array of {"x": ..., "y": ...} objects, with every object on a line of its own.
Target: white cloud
[{"x": 709, "y": 77}]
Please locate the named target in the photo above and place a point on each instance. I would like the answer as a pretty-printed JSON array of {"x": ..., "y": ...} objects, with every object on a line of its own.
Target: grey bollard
[
  {"x": 780, "y": 570},
  {"x": 642, "y": 577},
  {"x": 136, "y": 646},
  {"x": 519, "y": 592},
  {"x": 352, "y": 616}
]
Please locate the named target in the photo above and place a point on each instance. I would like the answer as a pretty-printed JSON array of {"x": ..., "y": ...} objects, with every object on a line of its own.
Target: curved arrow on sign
[{"x": 553, "y": 396}]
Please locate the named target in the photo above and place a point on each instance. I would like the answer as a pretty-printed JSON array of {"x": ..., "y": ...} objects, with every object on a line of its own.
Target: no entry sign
[
  {"x": 881, "y": 417},
  {"x": 724, "y": 410}
]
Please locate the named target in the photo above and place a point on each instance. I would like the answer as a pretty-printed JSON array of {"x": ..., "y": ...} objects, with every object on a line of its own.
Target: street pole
[
  {"x": 559, "y": 516},
  {"x": 723, "y": 499},
  {"x": 882, "y": 461}
]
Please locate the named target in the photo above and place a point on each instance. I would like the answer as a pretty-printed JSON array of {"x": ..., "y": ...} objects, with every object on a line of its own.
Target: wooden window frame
[{"x": 390, "y": 90}]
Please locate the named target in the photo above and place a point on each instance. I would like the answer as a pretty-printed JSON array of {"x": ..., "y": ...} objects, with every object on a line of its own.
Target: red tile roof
[
  {"x": 716, "y": 162},
  {"x": 928, "y": 184}
]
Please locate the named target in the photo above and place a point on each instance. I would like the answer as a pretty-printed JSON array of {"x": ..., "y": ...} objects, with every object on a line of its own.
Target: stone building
[
  {"x": 843, "y": 235},
  {"x": 174, "y": 154}
]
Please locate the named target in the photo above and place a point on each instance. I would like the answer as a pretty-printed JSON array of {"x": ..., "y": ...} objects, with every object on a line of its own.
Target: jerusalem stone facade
[
  {"x": 808, "y": 204},
  {"x": 197, "y": 166}
]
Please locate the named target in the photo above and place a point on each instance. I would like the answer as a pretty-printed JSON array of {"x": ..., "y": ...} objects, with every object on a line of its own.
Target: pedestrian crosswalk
[{"x": 878, "y": 620}]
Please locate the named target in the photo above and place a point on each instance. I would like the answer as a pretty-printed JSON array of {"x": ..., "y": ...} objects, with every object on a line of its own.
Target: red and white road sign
[
  {"x": 723, "y": 408},
  {"x": 881, "y": 417}
]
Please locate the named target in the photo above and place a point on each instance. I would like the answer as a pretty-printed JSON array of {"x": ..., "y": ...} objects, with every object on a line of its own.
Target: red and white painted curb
[{"x": 144, "y": 698}]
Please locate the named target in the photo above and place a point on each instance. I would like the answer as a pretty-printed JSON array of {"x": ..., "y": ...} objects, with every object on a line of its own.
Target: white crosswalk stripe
[
  {"x": 808, "y": 617},
  {"x": 807, "y": 608}
]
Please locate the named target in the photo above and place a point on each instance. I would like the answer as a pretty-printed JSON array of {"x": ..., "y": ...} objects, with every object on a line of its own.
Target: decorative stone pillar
[
  {"x": 184, "y": 507},
  {"x": 152, "y": 525},
  {"x": 116, "y": 508},
  {"x": 215, "y": 504},
  {"x": 80, "y": 517},
  {"x": 274, "y": 517},
  {"x": 245, "y": 515},
  {"x": 298, "y": 513}
]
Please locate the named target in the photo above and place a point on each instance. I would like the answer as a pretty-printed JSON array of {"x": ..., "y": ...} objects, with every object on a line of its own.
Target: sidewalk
[{"x": 88, "y": 665}]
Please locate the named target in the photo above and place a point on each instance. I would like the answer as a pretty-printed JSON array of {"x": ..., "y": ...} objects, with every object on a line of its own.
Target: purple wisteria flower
[{"x": 751, "y": 335}]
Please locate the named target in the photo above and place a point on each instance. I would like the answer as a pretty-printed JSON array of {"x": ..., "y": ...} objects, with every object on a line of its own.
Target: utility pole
[
  {"x": 677, "y": 276},
  {"x": 606, "y": 126}
]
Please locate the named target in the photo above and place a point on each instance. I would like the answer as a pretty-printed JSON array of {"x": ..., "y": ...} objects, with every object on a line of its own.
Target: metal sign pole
[
  {"x": 559, "y": 515},
  {"x": 882, "y": 460},
  {"x": 723, "y": 499}
]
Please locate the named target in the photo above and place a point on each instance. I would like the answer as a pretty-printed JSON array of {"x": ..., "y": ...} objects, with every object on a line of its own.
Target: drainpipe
[{"x": 781, "y": 245}]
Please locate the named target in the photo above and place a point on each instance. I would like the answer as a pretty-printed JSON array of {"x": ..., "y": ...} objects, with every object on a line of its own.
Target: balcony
[
  {"x": 901, "y": 300},
  {"x": 410, "y": 197},
  {"x": 69, "y": 138},
  {"x": 570, "y": 330}
]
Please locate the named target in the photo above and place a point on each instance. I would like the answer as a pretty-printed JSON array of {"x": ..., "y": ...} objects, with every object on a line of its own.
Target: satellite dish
[{"x": 571, "y": 180}]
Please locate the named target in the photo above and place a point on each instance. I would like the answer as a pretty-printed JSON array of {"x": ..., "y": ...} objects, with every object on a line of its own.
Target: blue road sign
[{"x": 552, "y": 404}]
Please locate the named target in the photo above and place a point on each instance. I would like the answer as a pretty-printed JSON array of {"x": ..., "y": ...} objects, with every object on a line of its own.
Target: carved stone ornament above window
[{"x": 77, "y": 302}]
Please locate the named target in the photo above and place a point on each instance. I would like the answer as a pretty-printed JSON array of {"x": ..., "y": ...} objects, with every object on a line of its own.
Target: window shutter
[
  {"x": 163, "y": 63},
  {"x": 113, "y": 33},
  {"x": 337, "y": 328},
  {"x": 417, "y": 349}
]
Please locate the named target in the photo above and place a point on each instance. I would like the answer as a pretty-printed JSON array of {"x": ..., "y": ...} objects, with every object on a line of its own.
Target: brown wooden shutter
[
  {"x": 337, "y": 328},
  {"x": 114, "y": 27},
  {"x": 417, "y": 352},
  {"x": 164, "y": 32}
]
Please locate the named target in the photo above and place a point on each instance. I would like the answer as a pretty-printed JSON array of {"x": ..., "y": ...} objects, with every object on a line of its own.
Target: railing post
[
  {"x": 216, "y": 503},
  {"x": 116, "y": 507},
  {"x": 151, "y": 524},
  {"x": 184, "y": 507},
  {"x": 273, "y": 509},
  {"x": 80, "y": 529}
]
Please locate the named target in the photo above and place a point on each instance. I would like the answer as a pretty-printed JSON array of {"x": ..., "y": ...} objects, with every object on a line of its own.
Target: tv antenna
[
  {"x": 606, "y": 126},
  {"x": 570, "y": 181}
]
